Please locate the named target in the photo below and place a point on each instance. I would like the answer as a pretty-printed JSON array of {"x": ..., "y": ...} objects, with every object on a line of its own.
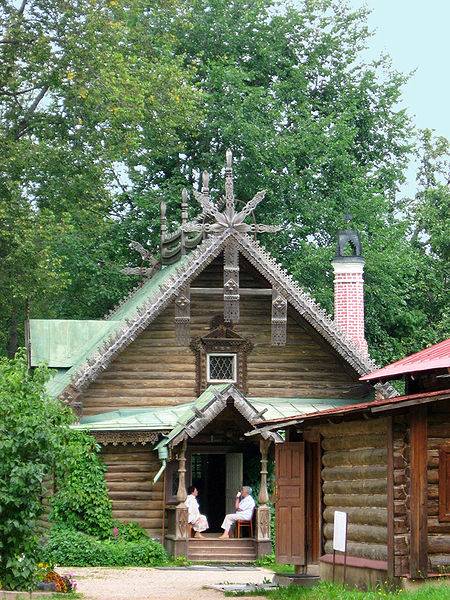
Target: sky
[{"x": 416, "y": 35}]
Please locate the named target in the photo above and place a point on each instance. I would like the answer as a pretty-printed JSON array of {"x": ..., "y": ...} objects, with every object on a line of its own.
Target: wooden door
[
  {"x": 290, "y": 503},
  {"x": 234, "y": 475}
]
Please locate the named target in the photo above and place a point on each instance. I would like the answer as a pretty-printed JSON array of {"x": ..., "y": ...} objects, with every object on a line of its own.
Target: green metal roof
[
  {"x": 156, "y": 418},
  {"x": 45, "y": 334},
  {"x": 59, "y": 342},
  {"x": 173, "y": 419},
  {"x": 287, "y": 407}
]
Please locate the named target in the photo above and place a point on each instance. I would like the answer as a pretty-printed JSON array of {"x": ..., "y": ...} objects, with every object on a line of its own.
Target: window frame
[
  {"x": 234, "y": 363},
  {"x": 444, "y": 483}
]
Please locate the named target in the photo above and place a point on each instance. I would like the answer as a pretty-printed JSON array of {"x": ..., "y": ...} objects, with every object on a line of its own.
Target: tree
[
  {"x": 146, "y": 95},
  {"x": 33, "y": 429},
  {"x": 79, "y": 91}
]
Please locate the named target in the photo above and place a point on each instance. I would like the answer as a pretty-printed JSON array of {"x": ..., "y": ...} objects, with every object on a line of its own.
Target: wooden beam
[
  {"x": 419, "y": 493},
  {"x": 390, "y": 498},
  {"x": 202, "y": 291},
  {"x": 407, "y": 403}
]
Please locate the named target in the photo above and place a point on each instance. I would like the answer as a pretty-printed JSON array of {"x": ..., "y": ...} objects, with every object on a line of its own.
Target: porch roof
[{"x": 173, "y": 419}]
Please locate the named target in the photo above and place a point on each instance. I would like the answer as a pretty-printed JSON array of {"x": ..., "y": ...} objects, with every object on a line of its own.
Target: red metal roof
[
  {"x": 371, "y": 406},
  {"x": 430, "y": 359}
]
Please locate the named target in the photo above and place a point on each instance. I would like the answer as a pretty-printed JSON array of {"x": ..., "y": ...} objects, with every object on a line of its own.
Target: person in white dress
[
  {"x": 245, "y": 505},
  {"x": 199, "y": 522}
]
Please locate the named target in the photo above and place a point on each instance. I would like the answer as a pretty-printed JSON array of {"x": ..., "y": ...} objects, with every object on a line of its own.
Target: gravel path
[{"x": 100, "y": 583}]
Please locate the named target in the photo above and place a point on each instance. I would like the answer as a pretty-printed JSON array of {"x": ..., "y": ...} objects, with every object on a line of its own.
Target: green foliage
[
  {"x": 33, "y": 430},
  {"x": 269, "y": 562},
  {"x": 330, "y": 591},
  {"x": 85, "y": 87},
  {"x": 67, "y": 547},
  {"x": 130, "y": 532},
  {"x": 180, "y": 561},
  {"x": 81, "y": 501}
]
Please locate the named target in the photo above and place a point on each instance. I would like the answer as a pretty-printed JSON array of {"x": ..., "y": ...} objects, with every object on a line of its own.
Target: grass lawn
[{"x": 329, "y": 591}]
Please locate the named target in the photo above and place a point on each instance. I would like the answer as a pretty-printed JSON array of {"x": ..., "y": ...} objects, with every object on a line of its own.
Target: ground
[{"x": 100, "y": 583}]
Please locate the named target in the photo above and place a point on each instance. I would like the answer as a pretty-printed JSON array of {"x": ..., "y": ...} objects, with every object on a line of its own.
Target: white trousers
[{"x": 230, "y": 519}]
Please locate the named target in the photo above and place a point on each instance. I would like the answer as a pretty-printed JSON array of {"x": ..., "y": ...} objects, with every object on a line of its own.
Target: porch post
[
  {"x": 263, "y": 543},
  {"x": 181, "y": 512}
]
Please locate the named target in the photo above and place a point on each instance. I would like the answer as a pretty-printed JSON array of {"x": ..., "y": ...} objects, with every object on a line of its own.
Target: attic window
[{"x": 221, "y": 368}]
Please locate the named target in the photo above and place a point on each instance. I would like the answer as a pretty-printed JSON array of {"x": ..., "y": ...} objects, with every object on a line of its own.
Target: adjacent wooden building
[
  {"x": 216, "y": 338},
  {"x": 386, "y": 463}
]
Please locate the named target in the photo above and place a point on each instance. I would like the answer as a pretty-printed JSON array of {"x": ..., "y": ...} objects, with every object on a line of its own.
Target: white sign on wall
[{"x": 340, "y": 531}]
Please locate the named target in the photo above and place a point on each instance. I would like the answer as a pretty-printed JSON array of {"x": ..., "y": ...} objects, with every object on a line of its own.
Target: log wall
[
  {"x": 402, "y": 524},
  {"x": 354, "y": 475},
  {"x": 155, "y": 371},
  {"x": 130, "y": 483},
  {"x": 438, "y": 531}
]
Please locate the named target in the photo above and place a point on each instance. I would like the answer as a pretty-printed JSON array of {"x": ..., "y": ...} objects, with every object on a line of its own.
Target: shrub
[
  {"x": 81, "y": 501},
  {"x": 67, "y": 547},
  {"x": 33, "y": 430},
  {"x": 130, "y": 532}
]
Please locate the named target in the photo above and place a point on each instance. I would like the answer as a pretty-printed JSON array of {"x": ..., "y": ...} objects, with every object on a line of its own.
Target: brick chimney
[{"x": 348, "y": 265}]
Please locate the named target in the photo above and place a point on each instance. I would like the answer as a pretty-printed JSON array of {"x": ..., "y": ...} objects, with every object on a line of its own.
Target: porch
[{"x": 217, "y": 458}]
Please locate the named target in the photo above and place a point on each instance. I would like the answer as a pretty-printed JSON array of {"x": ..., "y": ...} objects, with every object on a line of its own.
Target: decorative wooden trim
[
  {"x": 444, "y": 483},
  {"x": 183, "y": 317},
  {"x": 231, "y": 282},
  {"x": 215, "y": 407},
  {"x": 279, "y": 318},
  {"x": 123, "y": 438},
  {"x": 418, "y": 493}
]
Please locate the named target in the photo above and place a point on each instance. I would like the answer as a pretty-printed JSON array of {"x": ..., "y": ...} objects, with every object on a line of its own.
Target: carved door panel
[
  {"x": 234, "y": 475},
  {"x": 290, "y": 503}
]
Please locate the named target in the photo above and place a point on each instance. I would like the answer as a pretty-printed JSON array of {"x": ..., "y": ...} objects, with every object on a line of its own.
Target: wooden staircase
[{"x": 213, "y": 549}]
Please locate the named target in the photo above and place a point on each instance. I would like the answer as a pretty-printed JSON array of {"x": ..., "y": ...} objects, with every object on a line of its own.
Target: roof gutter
[{"x": 163, "y": 455}]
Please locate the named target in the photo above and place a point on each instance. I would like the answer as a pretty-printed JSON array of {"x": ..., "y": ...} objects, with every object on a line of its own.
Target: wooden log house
[
  {"x": 386, "y": 463},
  {"x": 215, "y": 338}
]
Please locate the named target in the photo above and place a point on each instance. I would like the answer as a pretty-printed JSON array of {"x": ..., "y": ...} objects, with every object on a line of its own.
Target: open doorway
[
  {"x": 208, "y": 475},
  {"x": 218, "y": 477}
]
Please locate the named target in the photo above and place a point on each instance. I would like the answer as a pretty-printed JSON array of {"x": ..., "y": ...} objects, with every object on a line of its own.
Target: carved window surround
[{"x": 221, "y": 340}]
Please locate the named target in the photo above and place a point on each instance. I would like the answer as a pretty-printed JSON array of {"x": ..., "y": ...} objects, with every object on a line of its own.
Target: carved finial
[
  {"x": 205, "y": 182},
  {"x": 229, "y": 218},
  {"x": 229, "y": 190},
  {"x": 162, "y": 213},
  {"x": 184, "y": 206},
  {"x": 229, "y": 157}
]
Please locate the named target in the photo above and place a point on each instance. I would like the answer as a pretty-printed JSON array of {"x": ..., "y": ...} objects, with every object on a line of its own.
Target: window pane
[{"x": 221, "y": 367}]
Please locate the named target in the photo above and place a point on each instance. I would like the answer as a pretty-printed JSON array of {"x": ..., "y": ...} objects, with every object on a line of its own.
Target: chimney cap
[{"x": 348, "y": 238}]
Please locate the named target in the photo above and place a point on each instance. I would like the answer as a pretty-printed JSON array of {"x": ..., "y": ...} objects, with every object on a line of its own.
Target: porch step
[{"x": 216, "y": 550}]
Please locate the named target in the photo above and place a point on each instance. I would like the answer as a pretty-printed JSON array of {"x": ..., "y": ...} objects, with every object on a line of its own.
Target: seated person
[
  {"x": 244, "y": 505},
  {"x": 199, "y": 522}
]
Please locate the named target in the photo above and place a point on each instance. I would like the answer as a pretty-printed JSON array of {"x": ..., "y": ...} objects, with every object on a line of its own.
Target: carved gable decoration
[{"x": 221, "y": 340}]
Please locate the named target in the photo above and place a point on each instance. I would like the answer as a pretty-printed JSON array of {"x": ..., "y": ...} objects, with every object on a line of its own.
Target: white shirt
[
  {"x": 246, "y": 507},
  {"x": 193, "y": 508}
]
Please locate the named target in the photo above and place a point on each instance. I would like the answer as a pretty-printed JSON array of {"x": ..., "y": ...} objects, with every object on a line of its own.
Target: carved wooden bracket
[
  {"x": 279, "y": 318},
  {"x": 231, "y": 283},
  {"x": 183, "y": 317}
]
